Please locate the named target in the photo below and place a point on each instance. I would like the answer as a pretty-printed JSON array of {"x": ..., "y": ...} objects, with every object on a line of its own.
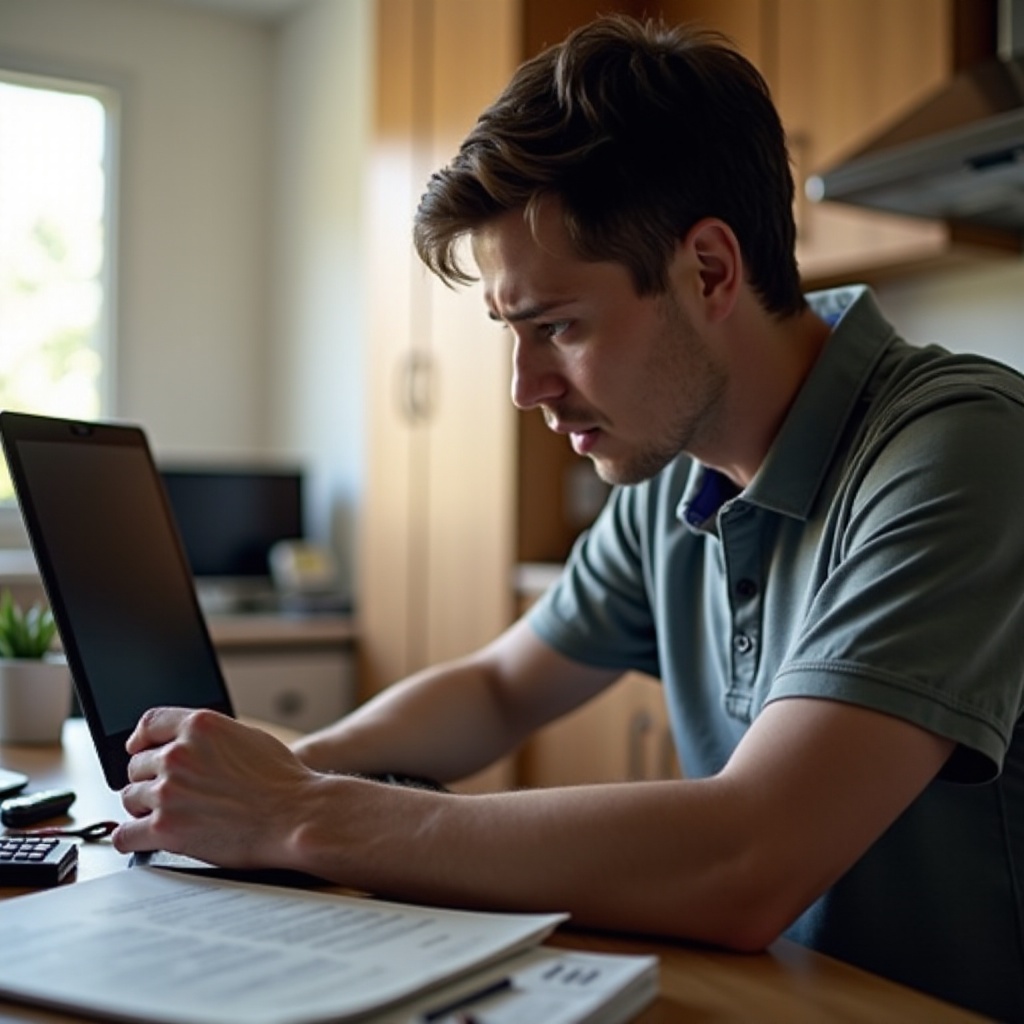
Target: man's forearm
[
  {"x": 450, "y": 721},
  {"x": 440, "y": 723},
  {"x": 614, "y": 856}
]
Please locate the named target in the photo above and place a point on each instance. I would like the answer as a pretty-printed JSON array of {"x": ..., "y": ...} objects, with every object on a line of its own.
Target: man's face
[{"x": 628, "y": 379}]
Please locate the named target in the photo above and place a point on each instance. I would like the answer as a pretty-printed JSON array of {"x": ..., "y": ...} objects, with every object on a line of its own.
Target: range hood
[{"x": 959, "y": 156}]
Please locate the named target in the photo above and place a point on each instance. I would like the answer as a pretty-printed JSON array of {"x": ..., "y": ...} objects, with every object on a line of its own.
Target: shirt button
[
  {"x": 746, "y": 588},
  {"x": 742, "y": 643}
]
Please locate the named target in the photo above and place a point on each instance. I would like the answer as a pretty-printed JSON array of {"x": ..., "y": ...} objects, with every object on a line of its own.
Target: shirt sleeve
[
  {"x": 598, "y": 612},
  {"x": 920, "y": 612}
]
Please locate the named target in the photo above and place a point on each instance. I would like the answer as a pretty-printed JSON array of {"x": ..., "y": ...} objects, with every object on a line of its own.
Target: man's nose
[{"x": 536, "y": 379}]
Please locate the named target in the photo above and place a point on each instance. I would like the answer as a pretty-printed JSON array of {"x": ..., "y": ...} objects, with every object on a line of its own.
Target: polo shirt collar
[{"x": 799, "y": 459}]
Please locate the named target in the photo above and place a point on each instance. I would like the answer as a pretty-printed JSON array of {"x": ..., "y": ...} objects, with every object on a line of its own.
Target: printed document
[{"x": 152, "y": 945}]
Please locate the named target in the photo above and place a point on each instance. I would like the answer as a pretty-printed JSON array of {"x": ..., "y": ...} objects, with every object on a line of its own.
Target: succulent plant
[{"x": 24, "y": 634}]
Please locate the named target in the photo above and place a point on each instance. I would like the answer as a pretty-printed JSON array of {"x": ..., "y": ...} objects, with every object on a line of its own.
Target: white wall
[
  {"x": 239, "y": 300},
  {"x": 192, "y": 303},
  {"x": 978, "y": 310},
  {"x": 322, "y": 121}
]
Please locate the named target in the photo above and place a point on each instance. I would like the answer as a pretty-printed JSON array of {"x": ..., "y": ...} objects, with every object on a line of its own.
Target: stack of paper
[
  {"x": 155, "y": 946},
  {"x": 545, "y": 986}
]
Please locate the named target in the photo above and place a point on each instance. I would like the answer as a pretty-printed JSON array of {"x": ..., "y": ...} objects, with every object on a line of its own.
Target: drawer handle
[
  {"x": 416, "y": 388},
  {"x": 289, "y": 704}
]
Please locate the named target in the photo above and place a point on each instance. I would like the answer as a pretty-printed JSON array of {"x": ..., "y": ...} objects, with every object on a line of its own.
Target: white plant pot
[{"x": 35, "y": 700}]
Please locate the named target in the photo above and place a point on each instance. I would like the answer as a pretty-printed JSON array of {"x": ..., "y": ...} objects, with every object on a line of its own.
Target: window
[{"x": 56, "y": 253}]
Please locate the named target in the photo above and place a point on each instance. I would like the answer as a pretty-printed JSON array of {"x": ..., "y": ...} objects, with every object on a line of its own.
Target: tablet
[{"x": 115, "y": 574}]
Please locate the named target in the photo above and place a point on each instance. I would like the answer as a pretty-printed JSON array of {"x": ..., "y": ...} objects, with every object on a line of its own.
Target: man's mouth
[
  {"x": 582, "y": 434},
  {"x": 583, "y": 441}
]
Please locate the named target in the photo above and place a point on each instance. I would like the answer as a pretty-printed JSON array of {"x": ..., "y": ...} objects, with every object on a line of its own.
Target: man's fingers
[
  {"x": 136, "y": 799},
  {"x": 142, "y": 766},
  {"x": 156, "y": 727},
  {"x": 132, "y": 836}
]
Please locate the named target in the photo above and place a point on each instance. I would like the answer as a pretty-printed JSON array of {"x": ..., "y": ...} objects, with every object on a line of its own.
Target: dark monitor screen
[{"x": 230, "y": 517}]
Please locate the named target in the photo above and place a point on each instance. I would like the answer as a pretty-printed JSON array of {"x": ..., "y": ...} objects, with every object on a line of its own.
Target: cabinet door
[
  {"x": 466, "y": 536},
  {"x": 437, "y": 550},
  {"x": 437, "y": 539},
  {"x": 749, "y": 24},
  {"x": 395, "y": 450},
  {"x": 843, "y": 70},
  {"x": 469, "y": 487}
]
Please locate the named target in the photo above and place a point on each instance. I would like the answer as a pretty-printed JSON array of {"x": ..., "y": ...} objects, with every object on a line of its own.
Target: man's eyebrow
[{"x": 526, "y": 313}]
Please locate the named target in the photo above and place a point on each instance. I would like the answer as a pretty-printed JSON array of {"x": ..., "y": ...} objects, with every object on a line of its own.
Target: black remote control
[
  {"x": 36, "y": 861},
  {"x": 20, "y": 811}
]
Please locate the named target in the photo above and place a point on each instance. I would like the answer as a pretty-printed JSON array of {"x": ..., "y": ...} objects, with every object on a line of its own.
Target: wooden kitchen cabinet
[
  {"x": 843, "y": 71},
  {"x": 840, "y": 71},
  {"x": 437, "y": 545},
  {"x": 439, "y": 503}
]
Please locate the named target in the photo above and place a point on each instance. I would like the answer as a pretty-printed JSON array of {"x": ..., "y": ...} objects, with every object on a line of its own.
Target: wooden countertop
[{"x": 260, "y": 629}]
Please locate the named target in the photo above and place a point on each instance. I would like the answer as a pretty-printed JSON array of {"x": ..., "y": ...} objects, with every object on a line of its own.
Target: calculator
[{"x": 36, "y": 861}]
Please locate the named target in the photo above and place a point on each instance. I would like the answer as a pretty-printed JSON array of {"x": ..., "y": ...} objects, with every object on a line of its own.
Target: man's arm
[
  {"x": 452, "y": 720},
  {"x": 730, "y": 860}
]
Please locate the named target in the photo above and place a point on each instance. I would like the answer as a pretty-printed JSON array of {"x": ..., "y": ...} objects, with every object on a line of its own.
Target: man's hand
[{"x": 203, "y": 784}]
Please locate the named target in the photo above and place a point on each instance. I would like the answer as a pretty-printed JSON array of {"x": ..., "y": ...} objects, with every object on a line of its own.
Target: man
[{"x": 815, "y": 544}]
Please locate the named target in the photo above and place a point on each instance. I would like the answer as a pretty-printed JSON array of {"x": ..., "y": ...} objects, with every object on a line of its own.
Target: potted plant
[{"x": 35, "y": 684}]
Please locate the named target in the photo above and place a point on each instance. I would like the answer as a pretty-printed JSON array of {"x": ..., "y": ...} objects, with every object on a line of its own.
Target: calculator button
[{"x": 32, "y": 862}]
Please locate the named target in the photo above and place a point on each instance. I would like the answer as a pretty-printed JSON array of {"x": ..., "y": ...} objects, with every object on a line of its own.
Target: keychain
[{"x": 90, "y": 833}]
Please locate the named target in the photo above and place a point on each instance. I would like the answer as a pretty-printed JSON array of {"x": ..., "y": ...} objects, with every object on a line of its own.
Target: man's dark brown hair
[{"x": 639, "y": 130}]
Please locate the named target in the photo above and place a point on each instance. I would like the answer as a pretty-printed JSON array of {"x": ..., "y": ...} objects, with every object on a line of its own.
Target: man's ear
[{"x": 719, "y": 265}]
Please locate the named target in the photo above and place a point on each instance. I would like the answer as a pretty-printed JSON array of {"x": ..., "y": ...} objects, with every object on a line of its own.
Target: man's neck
[{"x": 770, "y": 359}]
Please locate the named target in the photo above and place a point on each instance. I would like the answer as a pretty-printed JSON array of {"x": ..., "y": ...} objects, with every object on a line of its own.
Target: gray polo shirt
[{"x": 877, "y": 558}]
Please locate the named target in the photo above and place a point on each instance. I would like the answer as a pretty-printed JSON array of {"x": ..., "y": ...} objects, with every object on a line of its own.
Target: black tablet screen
[{"x": 115, "y": 572}]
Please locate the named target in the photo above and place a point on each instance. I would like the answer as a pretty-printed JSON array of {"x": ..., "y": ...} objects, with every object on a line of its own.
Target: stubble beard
[{"x": 681, "y": 363}]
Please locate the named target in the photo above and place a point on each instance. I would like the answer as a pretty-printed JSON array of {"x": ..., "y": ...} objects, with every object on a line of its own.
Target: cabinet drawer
[{"x": 304, "y": 691}]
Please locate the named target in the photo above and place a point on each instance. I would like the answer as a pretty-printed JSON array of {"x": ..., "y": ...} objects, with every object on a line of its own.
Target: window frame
[{"x": 16, "y": 71}]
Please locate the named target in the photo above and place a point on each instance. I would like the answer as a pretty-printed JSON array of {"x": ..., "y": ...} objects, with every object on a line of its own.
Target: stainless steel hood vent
[{"x": 959, "y": 156}]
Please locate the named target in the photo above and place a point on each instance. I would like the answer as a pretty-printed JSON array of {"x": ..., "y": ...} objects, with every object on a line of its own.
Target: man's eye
[{"x": 555, "y": 329}]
